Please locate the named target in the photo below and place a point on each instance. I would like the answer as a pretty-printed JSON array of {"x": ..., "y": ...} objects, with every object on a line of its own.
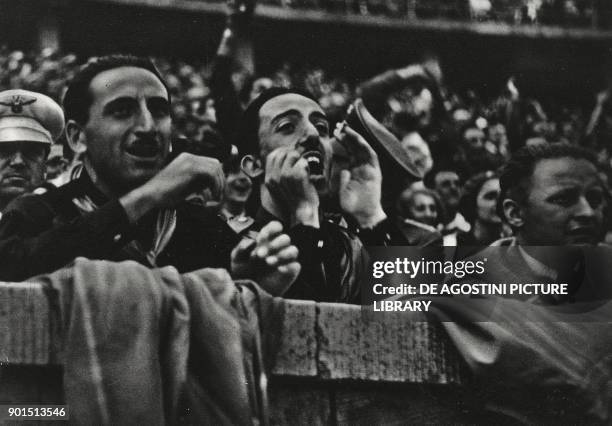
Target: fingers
[
  {"x": 286, "y": 173},
  {"x": 300, "y": 168},
  {"x": 293, "y": 162},
  {"x": 212, "y": 173},
  {"x": 208, "y": 169},
  {"x": 274, "y": 247},
  {"x": 268, "y": 233},
  {"x": 286, "y": 255},
  {"x": 278, "y": 243},
  {"x": 274, "y": 162},
  {"x": 358, "y": 142},
  {"x": 188, "y": 173},
  {"x": 345, "y": 178},
  {"x": 242, "y": 251},
  {"x": 284, "y": 162},
  {"x": 280, "y": 281},
  {"x": 292, "y": 269},
  {"x": 357, "y": 147}
]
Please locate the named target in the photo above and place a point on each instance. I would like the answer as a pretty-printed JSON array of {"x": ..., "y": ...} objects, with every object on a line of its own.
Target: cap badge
[{"x": 17, "y": 102}]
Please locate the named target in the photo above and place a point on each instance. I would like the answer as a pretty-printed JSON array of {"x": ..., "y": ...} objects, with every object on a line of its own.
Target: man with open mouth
[
  {"x": 287, "y": 146},
  {"x": 29, "y": 124},
  {"x": 129, "y": 200}
]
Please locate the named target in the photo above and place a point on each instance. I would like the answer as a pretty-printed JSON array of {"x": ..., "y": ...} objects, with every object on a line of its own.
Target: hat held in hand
[
  {"x": 394, "y": 160},
  {"x": 29, "y": 117}
]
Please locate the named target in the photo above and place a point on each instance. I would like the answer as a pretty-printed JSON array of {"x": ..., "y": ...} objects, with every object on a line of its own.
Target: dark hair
[
  {"x": 247, "y": 139},
  {"x": 247, "y": 135},
  {"x": 515, "y": 175},
  {"x": 78, "y": 99},
  {"x": 231, "y": 165},
  {"x": 430, "y": 178},
  {"x": 471, "y": 189}
]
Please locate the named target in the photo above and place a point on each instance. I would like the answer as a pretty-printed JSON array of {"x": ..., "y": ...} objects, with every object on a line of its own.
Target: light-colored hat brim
[{"x": 23, "y": 129}]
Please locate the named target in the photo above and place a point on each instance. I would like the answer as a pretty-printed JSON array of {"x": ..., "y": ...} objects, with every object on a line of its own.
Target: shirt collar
[
  {"x": 87, "y": 186},
  {"x": 457, "y": 224}
]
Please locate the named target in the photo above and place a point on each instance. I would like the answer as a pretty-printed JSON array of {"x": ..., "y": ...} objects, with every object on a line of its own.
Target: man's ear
[
  {"x": 75, "y": 137},
  {"x": 251, "y": 166},
  {"x": 513, "y": 213}
]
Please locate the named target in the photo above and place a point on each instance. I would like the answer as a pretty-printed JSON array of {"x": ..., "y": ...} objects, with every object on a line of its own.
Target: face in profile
[
  {"x": 127, "y": 135},
  {"x": 486, "y": 202},
  {"x": 297, "y": 122},
  {"x": 22, "y": 167},
  {"x": 565, "y": 204}
]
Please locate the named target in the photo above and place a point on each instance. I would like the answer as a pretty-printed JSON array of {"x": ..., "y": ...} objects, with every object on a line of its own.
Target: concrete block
[
  {"x": 297, "y": 351},
  {"x": 24, "y": 324},
  {"x": 393, "y": 347}
]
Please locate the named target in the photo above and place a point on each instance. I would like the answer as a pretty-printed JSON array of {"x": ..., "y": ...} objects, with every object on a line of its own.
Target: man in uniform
[
  {"x": 128, "y": 202},
  {"x": 29, "y": 124}
]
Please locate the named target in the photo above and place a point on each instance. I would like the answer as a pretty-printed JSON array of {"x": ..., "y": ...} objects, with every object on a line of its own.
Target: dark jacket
[
  {"x": 334, "y": 261},
  {"x": 335, "y": 257},
  {"x": 41, "y": 233}
]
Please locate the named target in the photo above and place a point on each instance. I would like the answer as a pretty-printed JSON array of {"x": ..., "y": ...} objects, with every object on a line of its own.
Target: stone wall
[{"x": 336, "y": 364}]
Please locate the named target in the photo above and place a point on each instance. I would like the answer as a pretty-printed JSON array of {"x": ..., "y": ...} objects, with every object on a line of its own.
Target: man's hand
[
  {"x": 360, "y": 183},
  {"x": 512, "y": 90},
  {"x": 240, "y": 14},
  {"x": 288, "y": 182},
  {"x": 603, "y": 97},
  {"x": 270, "y": 260},
  {"x": 186, "y": 174}
]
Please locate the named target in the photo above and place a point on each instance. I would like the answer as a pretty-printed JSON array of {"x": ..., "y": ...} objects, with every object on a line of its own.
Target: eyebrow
[
  {"x": 319, "y": 114},
  {"x": 295, "y": 112},
  {"x": 117, "y": 101},
  {"x": 277, "y": 118},
  {"x": 129, "y": 99}
]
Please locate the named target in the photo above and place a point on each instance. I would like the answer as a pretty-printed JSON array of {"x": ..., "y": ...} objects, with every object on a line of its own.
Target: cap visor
[{"x": 16, "y": 129}]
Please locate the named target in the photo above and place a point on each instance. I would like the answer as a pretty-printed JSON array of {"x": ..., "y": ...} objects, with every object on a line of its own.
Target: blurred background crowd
[
  {"x": 579, "y": 12},
  {"x": 457, "y": 139},
  {"x": 460, "y": 108}
]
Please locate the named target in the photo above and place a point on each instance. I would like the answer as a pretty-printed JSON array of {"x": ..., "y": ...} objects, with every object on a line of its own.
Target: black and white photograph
[{"x": 306, "y": 212}]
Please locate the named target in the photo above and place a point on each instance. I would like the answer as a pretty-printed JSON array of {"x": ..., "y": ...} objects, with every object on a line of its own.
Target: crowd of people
[
  {"x": 551, "y": 12},
  {"x": 298, "y": 170},
  {"x": 288, "y": 180}
]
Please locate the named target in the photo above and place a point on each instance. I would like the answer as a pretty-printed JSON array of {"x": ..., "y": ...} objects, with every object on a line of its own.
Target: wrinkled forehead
[
  {"x": 288, "y": 102},
  {"x": 128, "y": 81},
  {"x": 565, "y": 171}
]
